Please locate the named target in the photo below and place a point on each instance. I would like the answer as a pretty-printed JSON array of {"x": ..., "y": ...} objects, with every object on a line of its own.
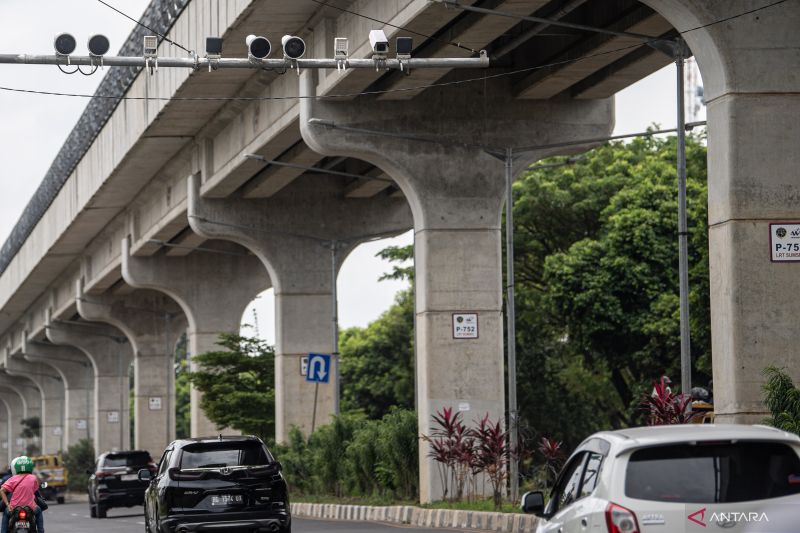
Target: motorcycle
[{"x": 23, "y": 519}]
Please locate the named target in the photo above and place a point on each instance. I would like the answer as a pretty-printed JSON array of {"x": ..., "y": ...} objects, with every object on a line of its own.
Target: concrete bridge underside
[{"x": 162, "y": 226}]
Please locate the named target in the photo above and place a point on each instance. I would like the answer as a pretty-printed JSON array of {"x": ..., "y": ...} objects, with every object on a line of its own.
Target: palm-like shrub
[{"x": 782, "y": 399}]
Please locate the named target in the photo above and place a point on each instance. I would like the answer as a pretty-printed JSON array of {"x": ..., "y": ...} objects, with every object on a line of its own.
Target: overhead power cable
[
  {"x": 377, "y": 92},
  {"x": 140, "y": 23}
]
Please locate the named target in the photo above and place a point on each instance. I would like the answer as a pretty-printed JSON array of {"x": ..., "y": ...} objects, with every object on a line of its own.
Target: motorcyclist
[{"x": 22, "y": 486}]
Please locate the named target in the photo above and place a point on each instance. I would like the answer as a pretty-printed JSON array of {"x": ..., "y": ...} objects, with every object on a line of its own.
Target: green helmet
[{"x": 22, "y": 465}]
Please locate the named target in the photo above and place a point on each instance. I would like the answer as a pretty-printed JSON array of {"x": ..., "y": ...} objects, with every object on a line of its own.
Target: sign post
[{"x": 318, "y": 371}]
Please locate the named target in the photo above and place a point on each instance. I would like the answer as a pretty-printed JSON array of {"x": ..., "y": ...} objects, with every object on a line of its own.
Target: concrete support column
[
  {"x": 5, "y": 431},
  {"x": 753, "y": 97},
  {"x": 213, "y": 286},
  {"x": 30, "y": 407},
  {"x": 153, "y": 323},
  {"x": 51, "y": 385},
  {"x": 17, "y": 411},
  {"x": 293, "y": 233},
  {"x": 77, "y": 374},
  {"x": 456, "y": 191},
  {"x": 111, "y": 354}
]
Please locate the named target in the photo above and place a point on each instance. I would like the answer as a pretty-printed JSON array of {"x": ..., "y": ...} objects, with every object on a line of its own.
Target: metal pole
[
  {"x": 335, "y": 315},
  {"x": 683, "y": 259},
  {"x": 511, "y": 343}
]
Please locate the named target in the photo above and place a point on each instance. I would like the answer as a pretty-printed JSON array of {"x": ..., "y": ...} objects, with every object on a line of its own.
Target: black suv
[
  {"x": 219, "y": 484},
  {"x": 115, "y": 481}
]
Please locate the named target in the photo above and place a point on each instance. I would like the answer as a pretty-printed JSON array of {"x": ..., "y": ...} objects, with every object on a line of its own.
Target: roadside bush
[
  {"x": 78, "y": 459},
  {"x": 354, "y": 457}
]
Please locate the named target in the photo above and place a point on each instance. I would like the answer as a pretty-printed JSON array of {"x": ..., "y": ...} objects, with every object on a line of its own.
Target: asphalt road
[{"x": 74, "y": 518}]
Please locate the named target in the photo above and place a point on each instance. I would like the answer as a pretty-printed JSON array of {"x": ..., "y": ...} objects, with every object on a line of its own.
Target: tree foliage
[
  {"x": 79, "y": 459},
  {"x": 238, "y": 384},
  {"x": 782, "y": 399},
  {"x": 378, "y": 361},
  {"x": 596, "y": 252}
]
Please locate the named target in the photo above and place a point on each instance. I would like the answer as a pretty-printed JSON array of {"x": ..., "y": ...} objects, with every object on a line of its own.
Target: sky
[{"x": 33, "y": 128}]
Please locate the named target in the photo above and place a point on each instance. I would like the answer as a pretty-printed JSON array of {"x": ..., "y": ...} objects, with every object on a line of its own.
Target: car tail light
[
  {"x": 620, "y": 520},
  {"x": 23, "y": 515},
  {"x": 102, "y": 474},
  {"x": 175, "y": 474}
]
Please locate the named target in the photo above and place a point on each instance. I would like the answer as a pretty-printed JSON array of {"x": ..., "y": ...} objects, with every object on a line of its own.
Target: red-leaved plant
[
  {"x": 492, "y": 454},
  {"x": 665, "y": 408},
  {"x": 463, "y": 454},
  {"x": 553, "y": 454}
]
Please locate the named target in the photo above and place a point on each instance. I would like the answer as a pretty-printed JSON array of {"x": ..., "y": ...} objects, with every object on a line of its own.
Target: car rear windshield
[
  {"x": 713, "y": 472},
  {"x": 120, "y": 460},
  {"x": 219, "y": 455}
]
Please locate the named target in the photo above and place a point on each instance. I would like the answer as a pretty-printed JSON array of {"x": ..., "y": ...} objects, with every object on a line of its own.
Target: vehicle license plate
[
  {"x": 226, "y": 499},
  {"x": 129, "y": 477},
  {"x": 23, "y": 525}
]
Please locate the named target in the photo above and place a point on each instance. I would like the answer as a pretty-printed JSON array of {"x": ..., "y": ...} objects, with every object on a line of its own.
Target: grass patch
[{"x": 383, "y": 501}]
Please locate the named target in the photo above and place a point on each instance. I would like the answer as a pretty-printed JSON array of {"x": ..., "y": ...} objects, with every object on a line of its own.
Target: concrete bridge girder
[
  {"x": 111, "y": 355},
  {"x": 753, "y": 107},
  {"x": 152, "y": 323},
  {"x": 213, "y": 286},
  {"x": 77, "y": 374},
  {"x": 294, "y": 234},
  {"x": 456, "y": 192},
  {"x": 51, "y": 386}
]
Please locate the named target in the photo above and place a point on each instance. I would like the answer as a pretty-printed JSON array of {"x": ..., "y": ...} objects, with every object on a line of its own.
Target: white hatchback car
[{"x": 675, "y": 479}]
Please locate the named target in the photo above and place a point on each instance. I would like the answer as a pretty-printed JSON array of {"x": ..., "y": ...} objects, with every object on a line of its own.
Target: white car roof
[{"x": 656, "y": 435}]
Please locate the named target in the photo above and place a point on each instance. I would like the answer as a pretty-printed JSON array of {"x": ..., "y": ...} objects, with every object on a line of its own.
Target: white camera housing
[
  {"x": 379, "y": 43},
  {"x": 257, "y": 47},
  {"x": 293, "y": 47}
]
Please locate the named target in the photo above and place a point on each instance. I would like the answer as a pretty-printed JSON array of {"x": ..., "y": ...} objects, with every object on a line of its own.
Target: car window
[
  {"x": 219, "y": 455},
  {"x": 122, "y": 460},
  {"x": 714, "y": 472},
  {"x": 566, "y": 488},
  {"x": 591, "y": 474},
  {"x": 164, "y": 464}
]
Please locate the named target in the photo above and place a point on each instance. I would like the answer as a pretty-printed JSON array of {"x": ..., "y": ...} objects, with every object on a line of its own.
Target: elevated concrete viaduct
[{"x": 152, "y": 204}]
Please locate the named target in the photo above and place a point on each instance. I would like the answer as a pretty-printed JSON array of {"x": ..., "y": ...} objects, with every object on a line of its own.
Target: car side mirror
[
  {"x": 279, "y": 466},
  {"x": 145, "y": 475},
  {"x": 533, "y": 503}
]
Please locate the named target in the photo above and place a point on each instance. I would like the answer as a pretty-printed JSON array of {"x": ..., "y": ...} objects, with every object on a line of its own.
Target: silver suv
[{"x": 673, "y": 479}]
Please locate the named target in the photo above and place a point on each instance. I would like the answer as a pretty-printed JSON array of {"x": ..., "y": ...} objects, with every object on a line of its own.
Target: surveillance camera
[
  {"x": 293, "y": 47},
  {"x": 379, "y": 43},
  {"x": 65, "y": 44},
  {"x": 258, "y": 47},
  {"x": 98, "y": 45}
]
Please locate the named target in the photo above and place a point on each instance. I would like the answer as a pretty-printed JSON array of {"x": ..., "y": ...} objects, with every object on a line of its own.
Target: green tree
[
  {"x": 782, "y": 399},
  {"x": 79, "y": 458},
  {"x": 238, "y": 384},
  {"x": 611, "y": 295},
  {"x": 378, "y": 361}
]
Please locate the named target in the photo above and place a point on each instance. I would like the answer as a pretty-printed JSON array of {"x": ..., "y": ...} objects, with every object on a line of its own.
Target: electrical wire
[
  {"x": 431, "y": 37},
  {"x": 374, "y": 92},
  {"x": 143, "y": 25}
]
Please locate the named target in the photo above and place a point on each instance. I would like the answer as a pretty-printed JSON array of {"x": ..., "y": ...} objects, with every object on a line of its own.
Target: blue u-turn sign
[{"x": 319, "y": 368}]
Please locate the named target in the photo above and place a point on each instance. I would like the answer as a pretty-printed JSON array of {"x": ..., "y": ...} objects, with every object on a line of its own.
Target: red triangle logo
[{"x": 694, "y": 517}]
